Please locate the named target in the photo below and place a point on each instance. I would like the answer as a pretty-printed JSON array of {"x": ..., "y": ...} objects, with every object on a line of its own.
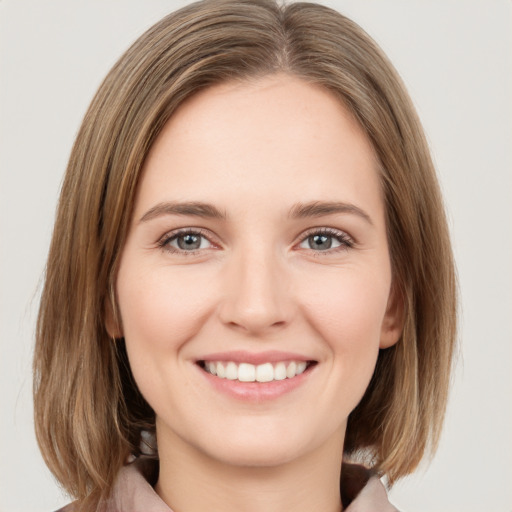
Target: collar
[{"x": 361, "y": 490}]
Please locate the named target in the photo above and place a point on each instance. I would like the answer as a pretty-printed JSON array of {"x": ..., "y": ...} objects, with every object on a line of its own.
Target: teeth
[
  {"x": 291, "y": 369},
  {"x": 245, "y": 372},
  {"x": 265, "y": 372},
  {"x": 221, "y": 371},
  {"x": 301, "y": 367},
  {"x": 280, "y": 371},
  {"x": 231, "y": 371},
  {"x": 211, "y": 367}
]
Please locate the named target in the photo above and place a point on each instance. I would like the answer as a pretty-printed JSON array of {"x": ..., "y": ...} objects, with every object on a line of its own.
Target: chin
[{"x": 263, "y": 447}]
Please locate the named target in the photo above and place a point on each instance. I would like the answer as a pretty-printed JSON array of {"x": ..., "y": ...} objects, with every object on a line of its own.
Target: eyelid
[
  {"x": 163, "y": 241},
  {"x": 346, "y": 240},
  {"x": 343, "y": 237}
]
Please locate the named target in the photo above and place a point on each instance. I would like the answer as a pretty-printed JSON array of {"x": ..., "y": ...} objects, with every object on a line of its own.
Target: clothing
[{"x": 361, "y": 491}]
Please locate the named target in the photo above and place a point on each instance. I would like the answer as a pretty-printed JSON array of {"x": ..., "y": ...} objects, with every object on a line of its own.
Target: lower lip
[{"x": 256, "y": 391}]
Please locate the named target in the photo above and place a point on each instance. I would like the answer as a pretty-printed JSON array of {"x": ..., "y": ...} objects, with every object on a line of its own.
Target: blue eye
[
  {"x": 185, "y": 241},
  {"x": 318, "y": 240},
  {"x": 325, "y": 240}
]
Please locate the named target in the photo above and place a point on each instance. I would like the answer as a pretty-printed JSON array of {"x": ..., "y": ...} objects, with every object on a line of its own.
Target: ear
[
  {"x": 393, "y": 322},
  {"x": 112, "y": 320}
]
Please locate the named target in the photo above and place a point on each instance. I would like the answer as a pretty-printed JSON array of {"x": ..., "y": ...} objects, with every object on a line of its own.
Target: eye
[
  {"x": 326, "y": 239},
  {"x": 185, "y": 241}
]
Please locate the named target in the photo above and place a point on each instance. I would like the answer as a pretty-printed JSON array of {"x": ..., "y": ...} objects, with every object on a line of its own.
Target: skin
[{"x": 254, "y": 150}]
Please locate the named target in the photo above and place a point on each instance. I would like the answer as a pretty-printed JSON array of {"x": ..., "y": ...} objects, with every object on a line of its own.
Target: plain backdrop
[{"x": 456, "y": 58}]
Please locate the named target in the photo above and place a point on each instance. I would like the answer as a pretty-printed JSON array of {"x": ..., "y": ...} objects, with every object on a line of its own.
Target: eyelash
[
  {"x": 346, "y": 242},
  {"x": 164, "y": 242}
]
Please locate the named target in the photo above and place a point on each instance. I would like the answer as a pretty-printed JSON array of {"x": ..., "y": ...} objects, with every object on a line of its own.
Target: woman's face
[{"x": 254, "y": 287}]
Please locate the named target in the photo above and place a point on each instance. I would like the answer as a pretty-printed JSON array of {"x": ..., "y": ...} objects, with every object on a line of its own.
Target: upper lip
[{"x": 241, "y": 356}]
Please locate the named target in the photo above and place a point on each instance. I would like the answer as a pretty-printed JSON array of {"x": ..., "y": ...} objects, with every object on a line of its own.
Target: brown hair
[{"x": 89, "y": 412}]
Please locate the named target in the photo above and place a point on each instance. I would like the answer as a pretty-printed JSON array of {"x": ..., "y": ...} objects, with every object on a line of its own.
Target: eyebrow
[
  {"x": 322, "y": 208},
  {"x": 297, "y": 211},
  {"x": 193, "y": 208}
]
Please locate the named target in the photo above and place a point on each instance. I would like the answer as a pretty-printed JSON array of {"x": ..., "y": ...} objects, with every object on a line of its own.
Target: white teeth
[
  {"x": 301, "y": 366},
  {"x": 280, "y": 371},
  {"x": 264, "y": 372},
  {"x": 231, "y": 371},
  {"x": 291, "y": 370},
  {"x": 221, "y": 371},
  {"x": 245, "y": 372}
]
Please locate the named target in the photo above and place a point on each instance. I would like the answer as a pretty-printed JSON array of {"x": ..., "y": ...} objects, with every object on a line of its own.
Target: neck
[{"x": 192, "y": 481}]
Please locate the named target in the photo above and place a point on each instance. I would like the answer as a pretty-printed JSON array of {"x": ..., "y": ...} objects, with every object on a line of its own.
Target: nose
[{"x": 256, "y": 295}]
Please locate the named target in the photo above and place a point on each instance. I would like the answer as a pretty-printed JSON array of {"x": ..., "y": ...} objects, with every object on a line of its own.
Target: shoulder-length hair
[{"x": 88, "y": 411}]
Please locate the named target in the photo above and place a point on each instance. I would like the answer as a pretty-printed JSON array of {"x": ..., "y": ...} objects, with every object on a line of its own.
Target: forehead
[{"x": 276, "y": 136}]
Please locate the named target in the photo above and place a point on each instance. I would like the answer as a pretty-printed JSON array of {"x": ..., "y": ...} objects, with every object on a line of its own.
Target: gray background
[{"x": 456, "y": 58}]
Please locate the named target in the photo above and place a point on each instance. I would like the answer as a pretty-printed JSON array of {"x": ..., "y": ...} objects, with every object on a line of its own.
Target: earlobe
[{"x": 393, "y": 322}]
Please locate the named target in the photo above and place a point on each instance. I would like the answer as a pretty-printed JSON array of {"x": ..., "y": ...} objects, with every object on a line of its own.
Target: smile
[{"x": 247, "y": 372}]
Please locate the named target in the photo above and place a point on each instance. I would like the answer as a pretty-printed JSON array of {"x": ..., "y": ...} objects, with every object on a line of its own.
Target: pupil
[
  {"x": 321, "y": 242},
  {"x": 189, "y": 242}
]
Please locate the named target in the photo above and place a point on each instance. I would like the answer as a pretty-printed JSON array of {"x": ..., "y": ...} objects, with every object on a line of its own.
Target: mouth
[{"x": 247, "y": 372}]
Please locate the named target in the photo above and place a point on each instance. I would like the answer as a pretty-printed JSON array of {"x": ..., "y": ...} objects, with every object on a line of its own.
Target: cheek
[
  {"x": 351, "y": 306},
  {"x": 348, "y": 315},
  {"x": 160, "y": 309}
]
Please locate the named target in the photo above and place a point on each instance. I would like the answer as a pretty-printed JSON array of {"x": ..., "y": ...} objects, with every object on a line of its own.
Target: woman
[{"x": 250, "y": 273}]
